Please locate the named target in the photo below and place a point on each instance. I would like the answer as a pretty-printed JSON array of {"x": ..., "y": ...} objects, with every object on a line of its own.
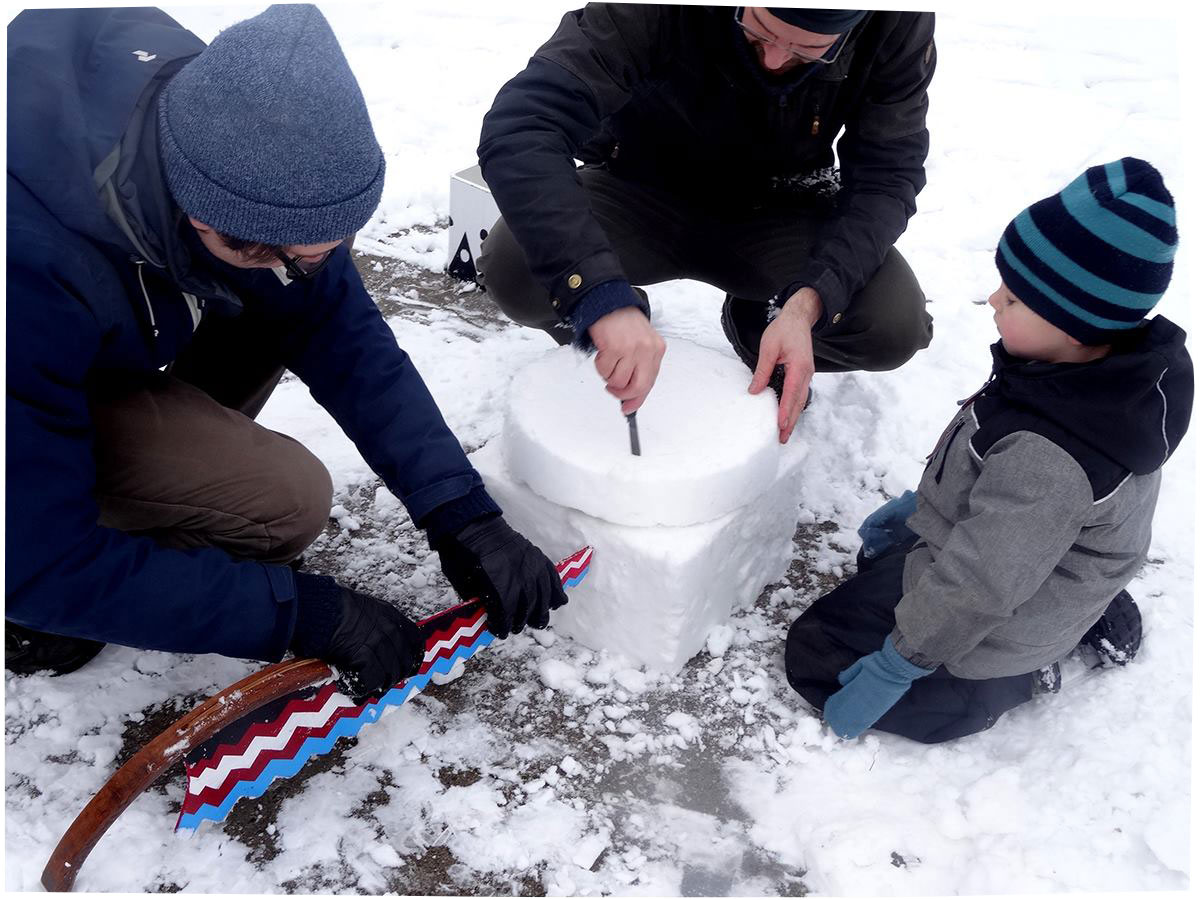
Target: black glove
[
  {"x": 515, "y": 580},
  {"x": 372, "y": 643}
]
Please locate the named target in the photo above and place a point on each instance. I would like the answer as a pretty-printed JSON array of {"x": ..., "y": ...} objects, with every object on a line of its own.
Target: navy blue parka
[{"x": 105, "y": 278}]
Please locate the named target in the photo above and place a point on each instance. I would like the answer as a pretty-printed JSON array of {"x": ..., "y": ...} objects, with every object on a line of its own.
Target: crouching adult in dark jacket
[
  {"x": 707, "y": 135},
  {"x": 176, "y": 225}
]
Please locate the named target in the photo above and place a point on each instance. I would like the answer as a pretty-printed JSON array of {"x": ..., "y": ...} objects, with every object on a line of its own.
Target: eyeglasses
[
  {"x": 757, "y": 35},
  {"x": 304, "y": 268}
]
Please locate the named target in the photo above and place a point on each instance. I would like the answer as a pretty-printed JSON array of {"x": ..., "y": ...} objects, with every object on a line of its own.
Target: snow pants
[
  {"x": 748, "y": 251},
  {"x": 853, "y": 620},
  {"x": 179, "y": 457}
]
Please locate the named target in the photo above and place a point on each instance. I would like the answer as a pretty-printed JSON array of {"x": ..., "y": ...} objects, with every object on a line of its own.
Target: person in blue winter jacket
[
  {"x": 178, "y": 227},
  {"x": 1035, "y": 508}
]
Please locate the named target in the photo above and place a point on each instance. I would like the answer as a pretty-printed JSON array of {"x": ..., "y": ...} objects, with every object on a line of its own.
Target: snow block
[
  {"x": 707, "y": 445},
  {"x": 473, "y": 212},
  {"x": 655, "y": 591}
]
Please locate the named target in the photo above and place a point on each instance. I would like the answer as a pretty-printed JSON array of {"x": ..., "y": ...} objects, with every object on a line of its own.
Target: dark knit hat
[
  {"x": 1094, "y": 258},
  {"x": 819, "y": 21},
  {"x": 265, "y": 135}
]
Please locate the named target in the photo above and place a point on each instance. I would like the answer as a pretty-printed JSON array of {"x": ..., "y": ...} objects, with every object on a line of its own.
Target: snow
[
  {"x": 653, "y": 593},
  {"x": 1084, "y": 791},
  {"x": 687, "y": 532},
  {"x": 706, "y": 444},
  {"x": 718, "y": 640}
]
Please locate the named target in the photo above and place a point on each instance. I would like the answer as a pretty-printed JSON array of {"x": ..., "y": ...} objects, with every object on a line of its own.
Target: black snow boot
[
  {"x": 743, "y": 322},
  {"x": 1048, "y": 679},
  {"x": 1118, "y": 633},
  {"x": 27, "y": 651}
]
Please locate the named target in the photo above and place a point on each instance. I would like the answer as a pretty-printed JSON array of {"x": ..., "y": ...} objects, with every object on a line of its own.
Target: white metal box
[{"x": 473, "y": 212}]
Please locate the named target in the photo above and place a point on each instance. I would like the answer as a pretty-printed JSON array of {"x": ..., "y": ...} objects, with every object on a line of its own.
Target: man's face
[
  {"x": 781, "y": 47},
  {"x": 305, "y": 254},
  {"x": 1026, "y": 334}
]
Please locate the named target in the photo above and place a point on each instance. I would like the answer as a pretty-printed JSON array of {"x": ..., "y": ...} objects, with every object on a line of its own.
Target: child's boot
[{"x": 1118, "y": 633}]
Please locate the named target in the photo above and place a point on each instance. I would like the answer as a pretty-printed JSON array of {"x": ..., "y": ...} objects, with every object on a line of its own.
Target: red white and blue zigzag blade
[{"x": 244, "y": 758}]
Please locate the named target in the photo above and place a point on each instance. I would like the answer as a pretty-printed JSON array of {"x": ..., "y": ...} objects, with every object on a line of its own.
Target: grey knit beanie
[{"x": 265, "y": 135}]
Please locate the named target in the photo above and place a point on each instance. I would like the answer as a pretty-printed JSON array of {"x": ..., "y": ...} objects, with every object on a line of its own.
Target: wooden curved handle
[{"x": 164, "y": 751}]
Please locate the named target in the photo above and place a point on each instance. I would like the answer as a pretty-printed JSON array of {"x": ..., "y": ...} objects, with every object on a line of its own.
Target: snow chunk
[
  {"x": 741, "y": 696},
  {"x": 385, "y": 501},
  {"x": 686, "y": 725},
  {"x": 100, "y": 748},
  {"x": 588, "y": 850},
  {"x": 385, "y": 855},
  {"x": 632, "y": 680},
  {"x": 719, "y": 639},
  {"x": 558, "y": 675}
]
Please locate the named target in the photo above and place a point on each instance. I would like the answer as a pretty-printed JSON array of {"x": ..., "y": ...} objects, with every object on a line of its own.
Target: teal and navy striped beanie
[
  {"x": 1094, "y": 258},
  {"x": 265, "y": 135}
]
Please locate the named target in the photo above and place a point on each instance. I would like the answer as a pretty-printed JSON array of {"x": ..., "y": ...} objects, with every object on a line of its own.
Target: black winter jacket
[{"x": 673, "y": 95}]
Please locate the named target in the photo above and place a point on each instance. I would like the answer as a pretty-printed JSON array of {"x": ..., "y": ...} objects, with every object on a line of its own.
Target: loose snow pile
[{"x": 551, "y": 767}]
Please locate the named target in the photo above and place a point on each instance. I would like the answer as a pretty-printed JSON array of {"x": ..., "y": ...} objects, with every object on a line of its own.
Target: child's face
[{"x": 1026, "y": 334}]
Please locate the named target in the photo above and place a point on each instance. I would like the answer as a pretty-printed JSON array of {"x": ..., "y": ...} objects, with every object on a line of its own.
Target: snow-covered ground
[{"x": 548, "y": 767}]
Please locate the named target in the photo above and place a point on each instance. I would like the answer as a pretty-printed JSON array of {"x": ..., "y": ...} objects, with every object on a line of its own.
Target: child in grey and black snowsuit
[{"x": 1035, "y": 507}]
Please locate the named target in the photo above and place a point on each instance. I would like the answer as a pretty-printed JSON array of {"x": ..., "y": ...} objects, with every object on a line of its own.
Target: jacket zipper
[
  {"x": 816, "y": 123},
  {"x": 149, "y": 307},
  {"x": 951, "y": 430},
  {"x": 946, "y": 453}
]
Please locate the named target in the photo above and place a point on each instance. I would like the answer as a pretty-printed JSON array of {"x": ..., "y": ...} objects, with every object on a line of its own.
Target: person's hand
[
  {"x": 886, "y": 527},
  {"x": 787, "y": 341},
  {"x": 515, "y": 580},
  {"x": 870, "y": 687},
  {"x": 372, "y": 643},
  {"x": 628, "y": 354}
]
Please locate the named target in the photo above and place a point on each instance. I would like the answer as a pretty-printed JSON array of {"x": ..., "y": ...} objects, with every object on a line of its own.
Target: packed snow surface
[
  {"x": 521, "y": 777},
  {"x": 707, "y": 446}
]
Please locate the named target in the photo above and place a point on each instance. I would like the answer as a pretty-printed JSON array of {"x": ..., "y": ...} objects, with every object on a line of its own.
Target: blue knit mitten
[
  {"x": 886, "y": 527},
  {"x": 870, "y": 687}
]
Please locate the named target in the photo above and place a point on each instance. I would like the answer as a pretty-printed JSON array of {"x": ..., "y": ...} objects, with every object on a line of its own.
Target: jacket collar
[{"x": 1134, "y": 405}]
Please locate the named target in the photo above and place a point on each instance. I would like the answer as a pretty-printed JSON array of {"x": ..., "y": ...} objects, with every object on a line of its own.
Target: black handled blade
[{"x": 635, "y": 446}]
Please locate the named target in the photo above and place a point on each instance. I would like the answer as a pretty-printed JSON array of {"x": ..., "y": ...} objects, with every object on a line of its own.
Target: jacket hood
[
  {"x": 102, "y": 177},
  {"x": 1133, "y": 406},
  {"x": 53, "y": 56}
]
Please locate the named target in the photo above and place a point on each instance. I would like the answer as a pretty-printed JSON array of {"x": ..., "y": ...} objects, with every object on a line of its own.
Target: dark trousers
[
  {"x": 853, "y": 620},
  {"x": 748, "y": 251},
  {"x": 179, "y": 457}
]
